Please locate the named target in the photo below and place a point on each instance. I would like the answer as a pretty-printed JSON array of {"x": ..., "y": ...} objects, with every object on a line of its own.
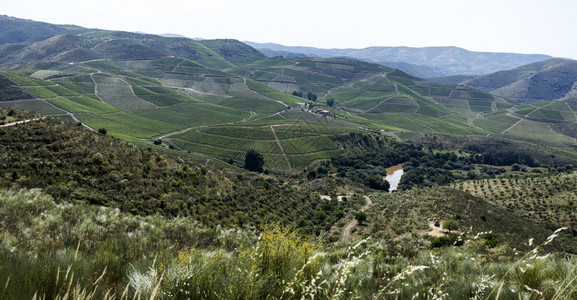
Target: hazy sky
[{"x": 522, "y": 26}]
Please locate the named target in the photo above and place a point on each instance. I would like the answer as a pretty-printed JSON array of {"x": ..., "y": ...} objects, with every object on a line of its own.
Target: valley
[
  {"x": 173, "y": 100},
  {"x": 124, "y": 173}
]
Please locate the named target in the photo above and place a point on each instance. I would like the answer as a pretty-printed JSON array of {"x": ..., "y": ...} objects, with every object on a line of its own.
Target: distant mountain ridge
[
  {"x": 15, "y": 30},
  {"x": 425, "y": 62},
  {"x": 541, "y": 81}
]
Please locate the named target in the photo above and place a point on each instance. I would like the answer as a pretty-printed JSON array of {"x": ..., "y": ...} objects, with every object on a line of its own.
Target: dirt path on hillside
[
  {"x": 510, "y": 113},
  {"x": 346, "y": 236},
  {"x": 20, "y": 122},
  {"x": 435, "y": 231},
  {"x": 71, "y": 115},
  {"x": 281, "y": 148}
]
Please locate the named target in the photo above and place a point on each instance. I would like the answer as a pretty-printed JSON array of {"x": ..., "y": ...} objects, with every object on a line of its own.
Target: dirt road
[{"x": 346, "y": 236}]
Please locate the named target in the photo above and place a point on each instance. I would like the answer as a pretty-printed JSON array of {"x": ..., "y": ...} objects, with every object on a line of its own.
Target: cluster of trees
[
  {"x": 330, "y": 101},
  {"x": 504, "y": 157},
  {"x": 368, "y": 167},
  {"x": 429, "y": 169},
  {"x": 422, "y": 166},
  {"x": 310, "y": 96}
]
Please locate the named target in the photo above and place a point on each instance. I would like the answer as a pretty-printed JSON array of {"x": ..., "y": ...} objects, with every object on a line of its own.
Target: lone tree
[
  {"x": 253, "y": 161},
  {"x": 361, "y": 217},
  {"x": 330, "y": 101},
  {"x": 451, "y": 225},
  {"x": 312, "y": 97}
]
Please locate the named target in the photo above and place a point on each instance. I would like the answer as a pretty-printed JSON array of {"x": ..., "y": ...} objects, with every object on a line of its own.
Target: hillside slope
[
  {"x": 14, "y": 30},
  {"x": 74, "y": 164},
  {"x": 543, "y": 81},
  {"x": 220, "y": 98},
  {"x": 439, "y": 61}
]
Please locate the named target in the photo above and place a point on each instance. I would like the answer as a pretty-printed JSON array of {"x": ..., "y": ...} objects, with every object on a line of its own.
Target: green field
[
  {"x": 39, "y": 106},
  {"x": 451, "y": 124},
  {"x": 126, "y": 124},
  {"x": 82, "y": 104},
  {"x": 401, "y": 121},
  {"x": 397, "y": 104},
  {"x": 25, "y": 81},
  {"x": 249, "y": 133},
  {"x": 303, "y": 143},
  {"x": 466, "y": 94},
  {"x": 539, "y": 132},
  {"x": 495, "y": 122},
  {"x": 82, "y": 84},
  {"x": 480, "y": 106},
  {"x": 559, "y": 111}
]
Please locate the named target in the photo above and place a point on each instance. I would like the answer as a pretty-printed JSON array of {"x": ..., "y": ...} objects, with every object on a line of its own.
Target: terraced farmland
[
  {"x": 37, "y": 105},
  {"x": 297, "y": 146},
  {"x": 539, "y": 132},
  {"x": 118, "y": 93},
  {"x": 81, "y": 84},
  {"x": 250, "y": 106},
  {"x": 557, "y": 111},
  {"x": 496, "y": 122},
  {"x": 82, "y": 104}
]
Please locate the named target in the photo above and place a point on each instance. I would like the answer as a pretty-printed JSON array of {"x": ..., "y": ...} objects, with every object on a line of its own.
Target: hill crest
[
  {"x": 542, "y": 81},
  {"x": 444, "y": 61}
]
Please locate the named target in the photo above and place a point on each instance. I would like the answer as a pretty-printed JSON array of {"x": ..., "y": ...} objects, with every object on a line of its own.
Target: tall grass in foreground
[{"x": 77, "y": 251}]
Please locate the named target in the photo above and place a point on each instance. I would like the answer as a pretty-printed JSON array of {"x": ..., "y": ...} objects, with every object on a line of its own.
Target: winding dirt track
[
  {"x": 346, "y": 236},
  {"x": 20, "y": 122}
]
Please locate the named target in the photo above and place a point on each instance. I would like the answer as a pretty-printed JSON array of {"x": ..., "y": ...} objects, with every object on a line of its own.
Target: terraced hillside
[
  {"x": 285, "y": 146},
  {"x": 547, "y": 80},
  {"x": 378, "y": 95},
  {"x": 205, "y": 97},
  {"x": 174, "y": 99}
]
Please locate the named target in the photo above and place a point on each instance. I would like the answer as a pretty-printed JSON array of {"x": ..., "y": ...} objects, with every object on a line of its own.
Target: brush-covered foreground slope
[
  {"x": 66, "y": 249},
  {"x": 158, "y": 254},
  {"x": 152, "y": 255},
  {"x": 74, "y": 164},
  {"x": 541, "y": 81}
]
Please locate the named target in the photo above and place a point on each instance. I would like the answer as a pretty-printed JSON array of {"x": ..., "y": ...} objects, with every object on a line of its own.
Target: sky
[{"x": 520, "y": 26}]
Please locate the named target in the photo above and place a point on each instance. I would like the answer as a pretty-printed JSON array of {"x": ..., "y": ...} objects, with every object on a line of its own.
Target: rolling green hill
[{"x": 186, "y": 94}]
